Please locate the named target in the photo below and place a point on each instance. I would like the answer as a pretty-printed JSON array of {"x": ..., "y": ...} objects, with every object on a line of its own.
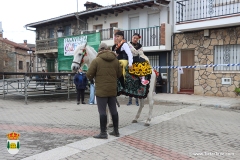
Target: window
[
  {"x": 97, "y": 27},
  {"x": 134, "y": 23},
  {"x": 227, "y": 54},
  {"x": 28, "y": 66},
  {"x": 67, "y": 30},
  {"x": 20, "y": 65},
  {"x": 153, "y": 20},
  {"x": 51, "y": 33},
  {"x": 111, "y": 28}
]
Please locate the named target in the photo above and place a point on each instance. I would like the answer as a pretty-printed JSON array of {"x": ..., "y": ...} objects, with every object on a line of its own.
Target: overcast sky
[{"x": 15, "y": 14}]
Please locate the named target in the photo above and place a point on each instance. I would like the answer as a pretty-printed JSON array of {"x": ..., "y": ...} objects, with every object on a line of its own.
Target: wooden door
[
  {"x": 50, "y": 65},
  {"x": 187, "y": 78}
]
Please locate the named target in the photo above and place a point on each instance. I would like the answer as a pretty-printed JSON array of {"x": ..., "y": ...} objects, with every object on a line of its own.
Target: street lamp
[
  {"x": 60, "y": 32},
  {"x": 30, "y": 53}
]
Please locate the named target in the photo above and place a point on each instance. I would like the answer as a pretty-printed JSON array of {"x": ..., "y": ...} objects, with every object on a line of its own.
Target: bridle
[{"x": 84, "y": 53}]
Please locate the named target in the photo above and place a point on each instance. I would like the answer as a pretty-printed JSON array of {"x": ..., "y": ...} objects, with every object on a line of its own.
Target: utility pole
[
  {"x": 30, "y": 66},
  {"x": 77, "y": 17}
]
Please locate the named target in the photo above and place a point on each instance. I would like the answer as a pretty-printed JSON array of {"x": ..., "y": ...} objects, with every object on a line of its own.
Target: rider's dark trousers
[{"x": 102, "y": 103}]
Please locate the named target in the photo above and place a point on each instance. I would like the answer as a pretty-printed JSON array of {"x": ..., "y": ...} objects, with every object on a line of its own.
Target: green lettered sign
[{"x": 67, "y": 45}]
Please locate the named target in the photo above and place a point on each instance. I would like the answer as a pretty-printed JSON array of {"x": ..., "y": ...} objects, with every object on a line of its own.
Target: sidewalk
[{"x": 211, "y": 101}]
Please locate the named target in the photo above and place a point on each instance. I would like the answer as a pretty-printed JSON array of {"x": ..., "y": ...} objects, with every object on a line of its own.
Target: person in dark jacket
[
  {"x": 80, "y": 80},
  {"x": 106, "y": 69}
]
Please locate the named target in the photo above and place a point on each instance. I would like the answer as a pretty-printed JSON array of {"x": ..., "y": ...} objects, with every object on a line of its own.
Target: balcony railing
[
  {"x": 150, "y": 36},
  {"x": 190, "y": 10},
  {"x": 46, "y": 44},
  {"x": 106, "y": 33}
]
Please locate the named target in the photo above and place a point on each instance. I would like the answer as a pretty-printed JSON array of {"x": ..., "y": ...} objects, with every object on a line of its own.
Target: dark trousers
[
  {"x": 80, "y": 92},
  {"x": 102, "y": 103}
]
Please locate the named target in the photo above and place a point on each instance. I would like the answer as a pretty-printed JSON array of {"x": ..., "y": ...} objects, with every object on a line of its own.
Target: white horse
[{"x": 84, "y": 54}]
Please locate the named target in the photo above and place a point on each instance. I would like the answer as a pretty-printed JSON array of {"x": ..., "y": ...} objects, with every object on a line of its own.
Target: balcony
[
  {"x": 153, "y": 38},
  {"x": 150, "y": 36},
  {"x": 204, "y": 14},
  {"x": 47, "y": 45}
]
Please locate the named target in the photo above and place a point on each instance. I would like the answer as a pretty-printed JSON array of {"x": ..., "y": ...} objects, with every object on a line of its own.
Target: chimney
[
  {"x": 90, "y": 5},
  {"x": 25, "y": 42}
]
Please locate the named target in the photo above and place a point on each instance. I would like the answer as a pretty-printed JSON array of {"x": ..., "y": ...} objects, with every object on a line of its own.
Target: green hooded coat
[{"x": 105, "y": 69}]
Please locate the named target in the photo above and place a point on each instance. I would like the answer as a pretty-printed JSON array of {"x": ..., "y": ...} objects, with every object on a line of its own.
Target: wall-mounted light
[
  {"x": 96, "y": 18},
  {"x": 60, "y": 32},
  {"x": 116, "y": 14}
]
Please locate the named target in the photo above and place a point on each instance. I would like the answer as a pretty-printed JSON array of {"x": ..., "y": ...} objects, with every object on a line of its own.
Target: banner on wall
[
  {"x": 67, "y": 45},
  {"x": 71, "y": 43}
]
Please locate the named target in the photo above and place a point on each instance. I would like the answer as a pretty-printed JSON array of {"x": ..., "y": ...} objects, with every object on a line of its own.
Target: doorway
[
  {"x": 51, "y": 65},
  {"x": 187, "y": 78}
]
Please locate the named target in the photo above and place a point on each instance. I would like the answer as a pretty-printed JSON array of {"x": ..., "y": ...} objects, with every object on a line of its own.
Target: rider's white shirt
[{"x": 126, "y": 48}]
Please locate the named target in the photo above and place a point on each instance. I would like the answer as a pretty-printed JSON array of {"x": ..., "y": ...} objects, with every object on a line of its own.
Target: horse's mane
[{"x": 91, "y": 52}]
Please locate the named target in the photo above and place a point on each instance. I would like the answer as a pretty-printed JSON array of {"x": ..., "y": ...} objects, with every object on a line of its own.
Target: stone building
[
  {"x": 200, "y": 39},
  {"x": 13, "y": 57}
]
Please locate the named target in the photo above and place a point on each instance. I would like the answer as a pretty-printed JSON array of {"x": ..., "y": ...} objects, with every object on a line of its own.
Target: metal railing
[
  {"x": 106, "y": 34},
  {"x": 150, "y": 36},
  {"x": 190, "y": 10},
  {"x": 46, "y": 44}
]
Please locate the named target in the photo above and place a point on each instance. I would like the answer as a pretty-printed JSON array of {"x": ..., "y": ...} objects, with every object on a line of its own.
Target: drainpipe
[
  {"x": 172, "y": 56},
  {"x": 172, "y": 53}
]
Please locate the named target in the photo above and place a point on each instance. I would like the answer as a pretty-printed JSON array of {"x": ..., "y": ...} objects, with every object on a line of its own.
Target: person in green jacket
[{"x": 105, "y": 69}]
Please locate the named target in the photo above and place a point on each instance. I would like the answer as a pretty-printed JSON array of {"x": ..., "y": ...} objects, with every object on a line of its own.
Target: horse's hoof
[
  {"x": 110, "y": 125},
  {"x": 134, "y": 121},
  {"x": 146, "y": 124}
]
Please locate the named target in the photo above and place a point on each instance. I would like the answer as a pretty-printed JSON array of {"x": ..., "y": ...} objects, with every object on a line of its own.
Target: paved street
[{"x": 57, "y": 128}]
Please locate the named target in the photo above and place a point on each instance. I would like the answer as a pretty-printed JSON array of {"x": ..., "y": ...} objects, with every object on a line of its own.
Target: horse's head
[{"x": 78, "y": 57}]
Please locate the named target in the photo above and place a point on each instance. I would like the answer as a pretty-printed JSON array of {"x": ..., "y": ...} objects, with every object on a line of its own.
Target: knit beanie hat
[{"x": 102, "y": 46}]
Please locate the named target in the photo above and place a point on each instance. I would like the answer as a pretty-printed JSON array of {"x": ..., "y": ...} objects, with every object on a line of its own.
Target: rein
[{"x": 84, "y": 53}]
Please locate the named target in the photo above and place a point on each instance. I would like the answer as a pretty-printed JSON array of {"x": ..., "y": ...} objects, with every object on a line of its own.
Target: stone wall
[
  {"x": 44, "y": 31},
  {"x": 7, "y": 58},
  {"x": 23, "y": 56},
  {"x": 207, "y": 81}
]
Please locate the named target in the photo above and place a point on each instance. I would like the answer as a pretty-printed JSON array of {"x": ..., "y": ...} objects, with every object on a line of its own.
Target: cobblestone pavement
[
  {"x": 50, "y": 122},
  {"x": 55, "y": 125}
]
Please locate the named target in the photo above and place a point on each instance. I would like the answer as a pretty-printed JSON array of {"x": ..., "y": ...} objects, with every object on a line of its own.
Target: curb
[{"x": 236, "y": 107}]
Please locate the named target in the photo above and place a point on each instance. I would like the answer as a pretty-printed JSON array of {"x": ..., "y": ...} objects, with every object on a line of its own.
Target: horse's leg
[
  {"x": 150, "y": 101},
  {"x": 117, "y": 103},
  {"x": 109, "y": 118},
  {"x": 139, "y": 110},
  {"x": 150, "y": 98}
]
